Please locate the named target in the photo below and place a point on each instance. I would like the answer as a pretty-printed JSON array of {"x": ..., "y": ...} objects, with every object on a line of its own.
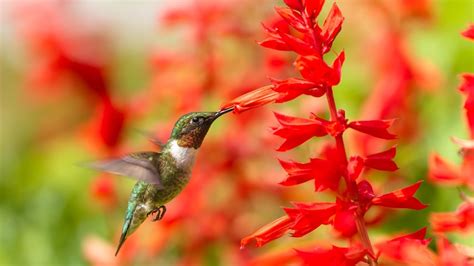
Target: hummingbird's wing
[
  {"x": 152, "y": 138},
  {"x": 140, "y": 165}
]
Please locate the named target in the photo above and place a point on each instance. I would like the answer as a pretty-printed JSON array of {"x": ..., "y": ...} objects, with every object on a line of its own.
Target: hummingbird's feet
[{"x": 160, "y": 213}]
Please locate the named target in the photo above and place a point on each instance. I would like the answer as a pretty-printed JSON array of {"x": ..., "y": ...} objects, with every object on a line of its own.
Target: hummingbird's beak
[{"x": 223, "y": 111}]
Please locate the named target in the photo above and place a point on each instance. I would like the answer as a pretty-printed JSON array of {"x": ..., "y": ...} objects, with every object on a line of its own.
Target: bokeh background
[{"x": 80, "y": 79}]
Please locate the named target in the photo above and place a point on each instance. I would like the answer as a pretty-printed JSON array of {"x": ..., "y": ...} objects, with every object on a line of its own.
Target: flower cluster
[
  {"x": 71, "y": 54},
  {"x": 333, "y": 170},
  {"x": 444, "y": 173},
  {"x": 205, "y": 69},
  {"x": 398, "y": 76}
]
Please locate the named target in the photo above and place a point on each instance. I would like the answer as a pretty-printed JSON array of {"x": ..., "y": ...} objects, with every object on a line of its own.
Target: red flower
[
  {"x": 345, "y": 218},
  {"x": 103, "y": 190},
  {"x": 407, "y": 248},
  {"x": 297, "y": 172},
  {"x": 269, "y": 232},
  {"x": 273, "y": 43},
  {"x": 382, "y": 160},
  {"x": 296, "y": 130},
  {"x": 324, "y": 172},
  {"x": 312, "y": 34},
  {"x": 331, "y": 27},
  {"x": 313, "y": 7},
  {"x": 293, "y": 87},
  {"x": 461, "y": 220},
  {"x": 336, "y": 256},
  {"x": 292, "y": 18},
  {"x": 106, "y": 126},
  {"x": 376, "y": 128},
  {"x": 302, "y": 219},
  {"x": 308, "y": 217},
  {"x": 111, "y": 123},
  {"x": 469, "y": 32},
  {"x": 402, "y": 198},
  {"x": 355, "y": 167},
  {"x": 467, "y": 87},
  {"x": 450, "y": 255},
  {"x": 252, "y": 99},
  {"x": 314, "y": 69},
  {"x": 440, "y": 171}
]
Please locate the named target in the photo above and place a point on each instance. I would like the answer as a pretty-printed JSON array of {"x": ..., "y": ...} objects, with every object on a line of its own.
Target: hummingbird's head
[{"x": 191, "y": 128}]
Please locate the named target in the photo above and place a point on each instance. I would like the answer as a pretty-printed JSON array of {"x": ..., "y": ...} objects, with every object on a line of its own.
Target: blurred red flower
[
  {"x": 410, "y": 249},
  {"x": 337, "y": 256},
  {"x": 460, "y": 220},
  {"x": 103, "y": 190},
  {"x": 467, "y": 87},
  {"x": 469, "y": 32}
]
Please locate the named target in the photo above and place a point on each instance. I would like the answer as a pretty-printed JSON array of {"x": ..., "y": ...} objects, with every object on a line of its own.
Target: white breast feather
[{"x": 184, "y": 156}]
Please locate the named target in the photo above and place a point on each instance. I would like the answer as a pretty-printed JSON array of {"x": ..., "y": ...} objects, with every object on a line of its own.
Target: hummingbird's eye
[{"x": 197, "y": 120}]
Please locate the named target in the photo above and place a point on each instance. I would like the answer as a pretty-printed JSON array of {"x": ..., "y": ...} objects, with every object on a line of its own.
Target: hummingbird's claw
[{"x": 160, "y": 213}]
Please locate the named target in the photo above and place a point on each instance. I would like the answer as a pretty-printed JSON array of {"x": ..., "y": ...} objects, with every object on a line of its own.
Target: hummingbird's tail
[{"x": 123, "y": 237}]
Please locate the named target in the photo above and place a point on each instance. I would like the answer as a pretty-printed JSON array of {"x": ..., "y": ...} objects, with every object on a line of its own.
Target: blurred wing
[
  {"x": 140, "y": 166},
  {"x": 152, "y": 138}
]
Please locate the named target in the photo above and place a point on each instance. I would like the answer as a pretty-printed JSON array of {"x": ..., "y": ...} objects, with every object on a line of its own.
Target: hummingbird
[{"x": 161, "y": 175}]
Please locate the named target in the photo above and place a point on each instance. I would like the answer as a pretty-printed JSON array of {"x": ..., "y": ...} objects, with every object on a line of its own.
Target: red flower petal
[
  {"x": 103, "y": 190},
  {"x": 327, "y": 170},
  {"x": 461, "y": 220},
  {"x": 252, "y": 99},
  {"x": 337, "y": 67},
  {"x": 269, "y": 232},
  {"x": 292, "y": 84},
  {"x": 366, "y": 192},
  {"x": 407, "y": 248},
  {"x": 313, "y": 7},
  {"x": 275, "y": 44},
  {"x": 294, "y": 4},
  {"x": 418, "y": 235},
  {"x": 299, "y": 46},
  {"x": 383, "y": 160},
  {"x": 294, "y": 19},
  {"x": 325, "y": 173},
  {"x": 467, "y": 87},
  {"x": 313, "y": 68},
  {"x": 293, "y": 87},
  {"x": 376, "y": 128},
  {"x": 308, "y": 217},
  {"x": 336, "y": 256},
  {"x": 469, "y": 32},
  {"x": 402, "y": 198},
  {"x": 105, "y": 127},
  {"x": 344, "y": 222},
  {"x": 355, "y": 167},
  {"x": 112, "y": 121},
  {"x": 297, "y": 173},
  {"x": 450, "y": 255},
  {"x": 443, "y": 172},
  {"x": 296, "y": 130},
  {"x": 331, "y": 27}
]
